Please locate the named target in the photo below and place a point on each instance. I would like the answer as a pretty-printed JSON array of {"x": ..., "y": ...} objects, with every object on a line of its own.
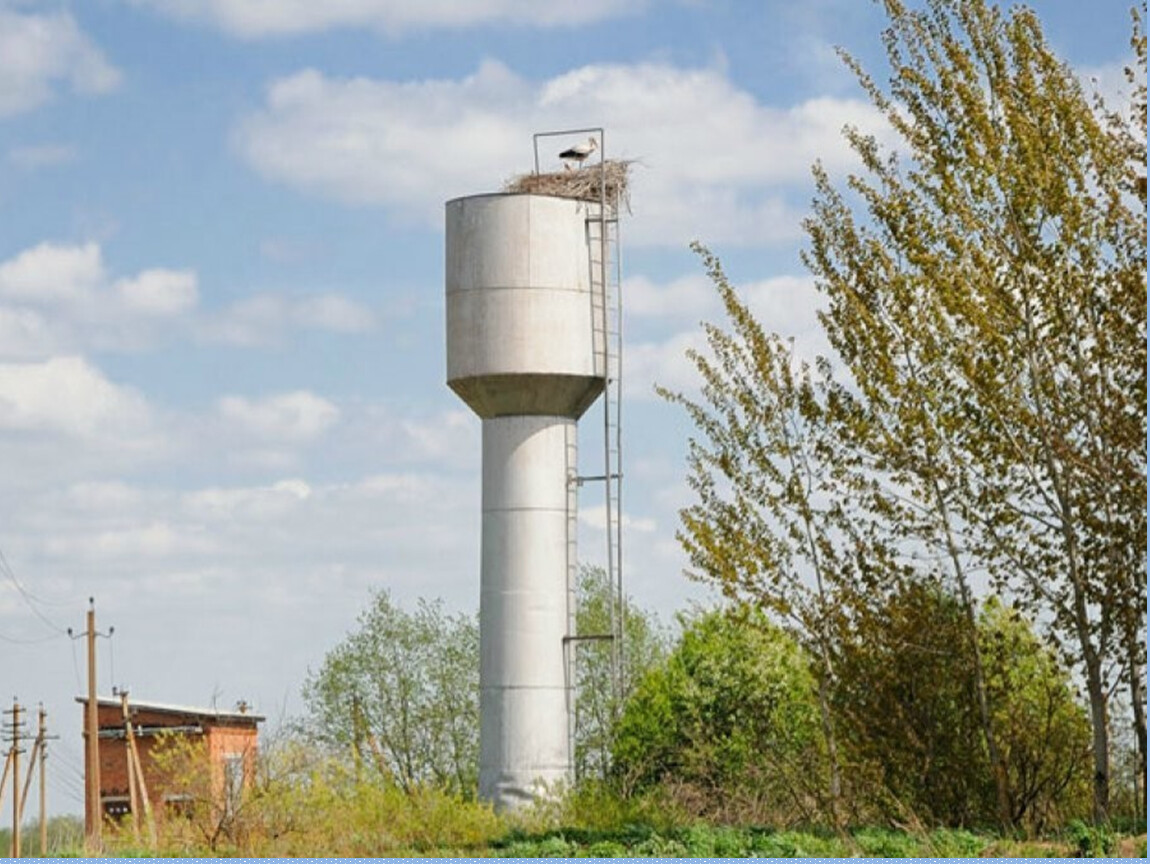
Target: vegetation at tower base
[
  {"x": 728, "y": 728},
  {"x": 983, "y": 287},
  {"x": 401, "y": 695},
  {"x": 718, "y": 752},
  {"x": 728, "y": 725},
  {"x": 911, "y": 725},
  {"x": 598, "y": 703}
]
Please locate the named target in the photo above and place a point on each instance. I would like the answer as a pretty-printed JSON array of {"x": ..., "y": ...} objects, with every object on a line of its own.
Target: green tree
[
  {"x": 774, "y": 522},
  {"x": 909, "y": 715},
  {"x": 728, "y": 723},
  {"x": 402, "y": 692},
  {"x": 1044, "y": 731},
  {"x": 906, "y": 696},
  {"x": 985, "y": 289},
  {"x": 598, "y": 701}
]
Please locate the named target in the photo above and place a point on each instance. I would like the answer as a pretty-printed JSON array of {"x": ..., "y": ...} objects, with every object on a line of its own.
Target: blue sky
[{"x": 222, "y": 400}]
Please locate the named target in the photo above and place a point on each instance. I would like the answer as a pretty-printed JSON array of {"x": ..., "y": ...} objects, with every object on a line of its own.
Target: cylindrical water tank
[
  {"x": 521, "y": 353},
  {"x": 519, "y": 306}
]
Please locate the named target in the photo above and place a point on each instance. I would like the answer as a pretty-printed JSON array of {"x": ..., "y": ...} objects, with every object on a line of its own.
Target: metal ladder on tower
[
  {"x": 605, "y": 277},
  {"x": 607, "y": 339}
]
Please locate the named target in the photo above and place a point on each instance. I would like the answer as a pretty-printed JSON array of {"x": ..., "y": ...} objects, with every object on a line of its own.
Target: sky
[{"x": 222, "y": 403}]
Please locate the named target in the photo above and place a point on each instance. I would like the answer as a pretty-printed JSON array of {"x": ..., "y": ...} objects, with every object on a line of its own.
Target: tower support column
[{"x": 523, "y": 608}]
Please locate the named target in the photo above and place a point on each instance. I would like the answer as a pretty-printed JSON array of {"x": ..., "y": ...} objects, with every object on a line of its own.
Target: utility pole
[
  {"x": 137, "y": 785},
  {"x": 4, "y": 776},
  {"x": 42, "y": 737},
  {"x": 14, "y": 753},
  {"x": 93, "y": 809},
  {"x": 36, "y": 759},
  {"x": 133, "y": 795}
]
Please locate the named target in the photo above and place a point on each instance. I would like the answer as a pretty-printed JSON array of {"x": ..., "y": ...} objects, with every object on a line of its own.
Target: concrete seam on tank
[
  {"x": 525, "y": 509},
  {"x": 505, "y": 687},
  {"x": 519, "y": 288}
]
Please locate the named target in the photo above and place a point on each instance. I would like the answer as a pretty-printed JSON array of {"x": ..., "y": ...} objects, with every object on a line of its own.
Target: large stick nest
[{"x": 586, "y": 183}]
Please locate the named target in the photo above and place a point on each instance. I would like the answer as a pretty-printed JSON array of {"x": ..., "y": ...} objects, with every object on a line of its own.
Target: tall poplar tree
[
  {"x": 985, "y": 288},
  {"x": 773, "y": 523}
]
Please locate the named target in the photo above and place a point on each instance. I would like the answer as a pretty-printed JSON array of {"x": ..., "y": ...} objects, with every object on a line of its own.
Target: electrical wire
[
  {"x": 23, "y": 590},
  {"x": 71, "y": 787},
  {"x": 72, "y": 757},
  {"x": 76, "y": 667},
  {"x": 29, "y": 599}
]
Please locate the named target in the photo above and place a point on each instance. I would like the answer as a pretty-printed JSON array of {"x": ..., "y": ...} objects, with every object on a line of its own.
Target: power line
[
  {"x": 72, "y": 758},
  {"x": 76, "y": 666},
  {"x": 23, "y": 590},
  {"x": 29, "y": 599},
  {"x": 65, "y": 782}
]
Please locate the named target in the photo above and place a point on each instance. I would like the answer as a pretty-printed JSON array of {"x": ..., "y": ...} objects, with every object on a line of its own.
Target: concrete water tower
[{"x": 527, "y": 337}]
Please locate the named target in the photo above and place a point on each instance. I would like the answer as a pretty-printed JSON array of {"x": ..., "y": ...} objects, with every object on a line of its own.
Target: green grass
[{"x": 701, "y": 841}]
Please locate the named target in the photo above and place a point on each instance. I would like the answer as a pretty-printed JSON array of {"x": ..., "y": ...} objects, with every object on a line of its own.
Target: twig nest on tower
[{"x": 587, "y": 183}]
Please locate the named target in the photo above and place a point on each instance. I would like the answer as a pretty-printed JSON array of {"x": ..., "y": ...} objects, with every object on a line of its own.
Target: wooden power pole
[
  {"x": 42, "y": 738},
  {"x": 93, "y": 808},
  {"x": 92, "y": 786},
  {"x": 15, "y": 758}
]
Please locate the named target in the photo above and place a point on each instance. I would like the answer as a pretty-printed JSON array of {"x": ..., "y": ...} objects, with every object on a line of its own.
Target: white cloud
[
  {"x": 67, "y": 395},
  {"x": 662, "y": 362},
  {"x": 410, "y": 145},
  {"x": 264, "y": 319},
  {"x": 260, "y": 18},
  {"x": 268, "y": 541},
  {"x": 260, "y": 503},
  {"x": 25, "y": 333},
  {"x": 59, "y": 298},
  {"x": 332, "y": 312},
  {"x": 295, "y": 417},
  {"x": 595, "y": 516},
  {"x": 159, "y": 293},
  {"x": 151, "y": 540},
  {"x": 371, "y": 434},
  {"x": 52, "y": 273},
  {"x": 787, "y": 305},
  {"x": 40, "y": 51},
  {"x": 689, "y": 297}
]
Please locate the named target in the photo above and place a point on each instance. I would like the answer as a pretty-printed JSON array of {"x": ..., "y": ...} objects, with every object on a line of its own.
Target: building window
[{"x": 233, "y": 781}]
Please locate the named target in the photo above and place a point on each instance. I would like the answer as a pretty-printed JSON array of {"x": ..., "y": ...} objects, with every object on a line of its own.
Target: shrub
[{"x": 727, "y": 726}]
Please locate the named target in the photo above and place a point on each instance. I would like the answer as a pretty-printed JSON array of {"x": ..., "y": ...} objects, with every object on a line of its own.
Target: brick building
[{"x": 229, "y": 740}]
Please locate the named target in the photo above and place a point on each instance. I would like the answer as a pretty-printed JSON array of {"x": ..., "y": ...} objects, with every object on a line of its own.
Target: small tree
[
  {"x": 906, "y": 700},
  {"x": 1043, "y": 729},
  {"x": 598, "y": 702},
  {"x": 728, "y": 724},
  {"x": 402, "y": 693}
]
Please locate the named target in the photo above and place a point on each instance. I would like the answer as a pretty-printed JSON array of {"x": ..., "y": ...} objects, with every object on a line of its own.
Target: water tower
[{"x": 532, "y": 342}]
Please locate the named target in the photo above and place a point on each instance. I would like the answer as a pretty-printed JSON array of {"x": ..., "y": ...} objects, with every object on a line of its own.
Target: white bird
[{"x": 579, "y": 152}]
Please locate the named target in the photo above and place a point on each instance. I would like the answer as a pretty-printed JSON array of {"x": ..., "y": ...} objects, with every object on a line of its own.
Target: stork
[{"x": 579, "y": 152}]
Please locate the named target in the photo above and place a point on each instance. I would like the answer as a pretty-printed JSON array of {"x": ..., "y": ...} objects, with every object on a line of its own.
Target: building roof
[{"x": 182, "y": 710}]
